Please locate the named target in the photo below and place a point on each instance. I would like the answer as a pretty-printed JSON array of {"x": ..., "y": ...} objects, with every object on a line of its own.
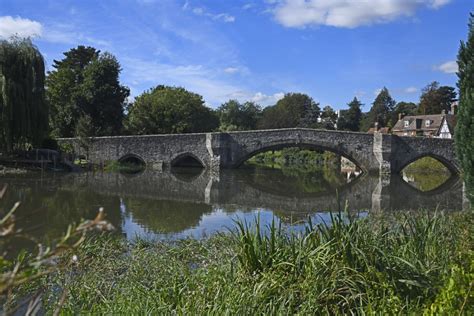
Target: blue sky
[{"x": 332, "y": 50}]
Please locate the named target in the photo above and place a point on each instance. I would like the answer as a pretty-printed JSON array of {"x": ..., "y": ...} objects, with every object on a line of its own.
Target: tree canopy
[
  {"x": 381, "y": 110},
  {"x": 435, "y": 98},
  {"x": 236, "y": 116},
  {"x": 404, "y": 109},
  {"x": 23, "y": 110},
  {"x": 293, "y": 110},
  {"x": 464, "y": 134},
  {"x": 86, "y": 83},
  {"x": 166, "y": 110},
  {"x": 350, "y": 119}
]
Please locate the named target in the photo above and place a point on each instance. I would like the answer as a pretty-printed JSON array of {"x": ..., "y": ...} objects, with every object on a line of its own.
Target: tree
[
  {"x": 168, "y": 110},
  {"x": 236, "y": 116},
  {"x": 86, "y": 83},
  {"x": 328, "y": 118},
  {"x": 434, "y": 99},
  {"x": 349, "y": 120},
  {"x": 381, "y": 109},
  {"x": 293, "y": 110},
  {"x": 464, "y": 134},
  {"x": 23, "y": 110},
  {"x": 84, "y": 131},
  {"x": 403, "y": 109}
]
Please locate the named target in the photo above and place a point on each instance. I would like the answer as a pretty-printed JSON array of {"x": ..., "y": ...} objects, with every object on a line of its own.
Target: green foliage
[
  {"x": 20, "y": 272},
  {"x": 328, "y": 118},
  {"x": 84, "y": 131},
  {"x": 349, "y": 120},
  {"x": 167, "y": 110},
  {"x": 293, "y": 110},
  {"x": 381, "y": 110},
  {"x": 457, "y": 293},
  {"x": 464, "y": 135},
  {"x": 400, "y": 264},
  {"x": 435, "y": 98},
  {"x": 23, "y": 110},
  {"x": 86, "y": 83},
  {"x": 404, "y": 109},
  {"x": 125, "y": 167},
  {"x": 236, "y": 116}
]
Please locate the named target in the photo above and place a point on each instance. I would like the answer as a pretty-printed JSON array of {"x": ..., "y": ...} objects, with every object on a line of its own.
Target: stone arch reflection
[
  {"x": 426, "y": 173},
  {"x": 338, "y": 151}
]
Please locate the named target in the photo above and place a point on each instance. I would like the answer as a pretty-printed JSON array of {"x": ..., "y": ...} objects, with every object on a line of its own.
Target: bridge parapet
[{"x": 372, "y": 153}]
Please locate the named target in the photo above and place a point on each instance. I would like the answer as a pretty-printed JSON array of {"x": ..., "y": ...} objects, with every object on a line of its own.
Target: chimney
[
  {"x": 454, "y": 105},
  {"x": 443, "y": 112},
  {"x": 376, "y": 125},
  {"x": 400, "y": 116}
]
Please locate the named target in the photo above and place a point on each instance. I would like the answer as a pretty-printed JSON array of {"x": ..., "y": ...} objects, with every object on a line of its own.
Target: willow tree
[
  {"x": 23, "y": 110},
  {"x": 465, "y": 125}
]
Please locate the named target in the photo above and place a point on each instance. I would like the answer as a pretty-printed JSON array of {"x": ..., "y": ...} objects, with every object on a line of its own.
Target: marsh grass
[{"x": 404, "y": 263}]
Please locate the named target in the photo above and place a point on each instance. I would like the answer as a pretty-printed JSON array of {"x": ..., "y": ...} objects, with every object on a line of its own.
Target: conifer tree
[
  {"x": 350, "y": 119},
  {"x": 381, "y": 109},
  {"x": 464, "y": 133}
]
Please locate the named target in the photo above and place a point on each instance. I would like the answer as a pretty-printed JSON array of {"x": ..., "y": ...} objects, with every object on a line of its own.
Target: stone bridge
[{"x": 373, "y": 153}]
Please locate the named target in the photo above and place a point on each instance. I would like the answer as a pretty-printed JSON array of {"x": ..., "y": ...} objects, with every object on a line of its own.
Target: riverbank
[{"x": 406, "y": 263}]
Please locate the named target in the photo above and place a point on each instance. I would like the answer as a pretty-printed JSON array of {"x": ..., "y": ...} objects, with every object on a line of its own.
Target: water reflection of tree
[
  {"x": 297, "y": 180},
  {"x": 45, "y": 211},
  {"x": 426, "y": 181},
  {"x": 161, "y": 216}
]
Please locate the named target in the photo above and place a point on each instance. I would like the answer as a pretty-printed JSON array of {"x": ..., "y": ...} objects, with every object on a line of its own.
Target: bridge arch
[
  {"x": 187, "y": 160},
  {"x": 447, "y": 163},
  {"x": 278, "y": 146},
  {"x": 132, "y": 158}
]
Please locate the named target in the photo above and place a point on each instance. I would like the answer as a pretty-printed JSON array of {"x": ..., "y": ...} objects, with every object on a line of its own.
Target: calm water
[{"x": 190, "y": 202}]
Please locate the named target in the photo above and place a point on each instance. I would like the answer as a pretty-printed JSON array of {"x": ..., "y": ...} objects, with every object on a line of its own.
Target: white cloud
[
  {"x": 231, "y": 70},
  {"x": 262, "y": 98},
  {"x": 223, "y": 17},
  {"x": 346, "y": 13},
  {"x": 411, "y": 90},
  {"x": 17, "y": 26},
  {"x": 196, "y": 78},
  {"x": 439, "y": 3},
  {"x": 449, "y": 67},
  {"x": 248, "y": 6},
  {"x": 53, "y": 33}
]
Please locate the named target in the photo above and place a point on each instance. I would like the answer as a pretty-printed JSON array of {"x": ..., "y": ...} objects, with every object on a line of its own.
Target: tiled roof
[{"x": 435, "y": 122}]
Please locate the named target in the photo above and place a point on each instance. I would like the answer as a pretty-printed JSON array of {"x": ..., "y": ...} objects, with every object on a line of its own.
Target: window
[
  {"x": 427, "y": 123},
  {"x": 407, "y": 123},
  {"x": 405, "y": 134}
]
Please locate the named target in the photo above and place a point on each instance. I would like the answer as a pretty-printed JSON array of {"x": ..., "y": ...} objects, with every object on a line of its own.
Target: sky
[{"x": 253, "y": 50}]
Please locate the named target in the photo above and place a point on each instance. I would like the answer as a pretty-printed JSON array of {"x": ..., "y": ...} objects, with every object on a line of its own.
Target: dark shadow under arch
[
  {"x": 132, "y": 158},
  {"x": 131, "y": 164},
  {"x": 187, "y": 160}
]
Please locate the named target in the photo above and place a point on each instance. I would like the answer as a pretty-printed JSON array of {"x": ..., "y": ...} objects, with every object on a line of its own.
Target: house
[{"x": 434, "y": 125}]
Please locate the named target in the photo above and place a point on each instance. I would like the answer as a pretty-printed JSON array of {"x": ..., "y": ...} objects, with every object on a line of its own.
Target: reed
[{"x": 404, "y": 263}]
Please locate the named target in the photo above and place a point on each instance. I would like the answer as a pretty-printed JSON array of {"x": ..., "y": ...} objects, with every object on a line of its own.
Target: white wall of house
[{"x": 444, "y": 130}]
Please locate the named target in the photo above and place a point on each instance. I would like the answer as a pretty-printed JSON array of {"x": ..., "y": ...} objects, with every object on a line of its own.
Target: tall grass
[{"x": 408, "y": 263}]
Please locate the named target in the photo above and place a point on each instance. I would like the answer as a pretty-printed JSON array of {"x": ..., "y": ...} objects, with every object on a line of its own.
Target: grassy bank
[
  {"x": 427, "y": 165},
  {"x": 407, "y": 263}
]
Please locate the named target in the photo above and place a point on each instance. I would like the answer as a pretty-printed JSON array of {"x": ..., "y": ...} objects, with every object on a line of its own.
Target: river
[{"x": 195, "y": 203}]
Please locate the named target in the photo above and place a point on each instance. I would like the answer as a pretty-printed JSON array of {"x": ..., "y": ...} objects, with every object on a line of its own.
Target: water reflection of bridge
[{"x": 238, "y": 189}]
